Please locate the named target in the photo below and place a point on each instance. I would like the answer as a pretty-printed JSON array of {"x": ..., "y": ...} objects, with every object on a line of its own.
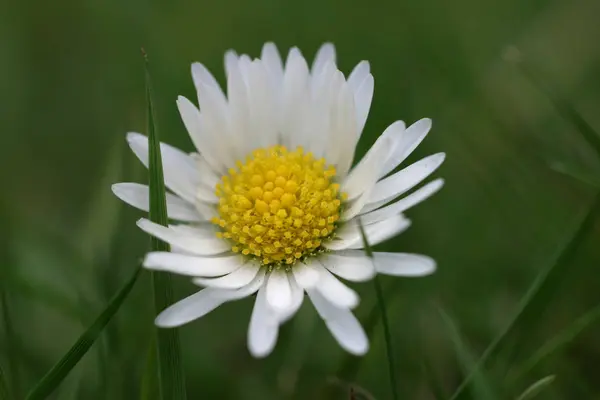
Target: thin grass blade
[
  {"x": 4, "y": 390},
  {"x": 557, "y": 342},
  {"x": 56, "y": 375},
  {"x": 482, "y": 389},
  {"x": 170, "y": 369},
  {"x": 531, "y": 306},
  {"x": 537, "y": 388},
  {"x": 386, "y": 326}
]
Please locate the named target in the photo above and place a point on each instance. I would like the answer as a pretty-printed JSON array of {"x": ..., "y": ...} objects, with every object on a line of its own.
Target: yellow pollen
[{"x": 278, "y": 206}]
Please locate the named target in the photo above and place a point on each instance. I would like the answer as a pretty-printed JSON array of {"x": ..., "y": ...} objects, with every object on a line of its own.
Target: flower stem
[{"x": 384, "y": 319}]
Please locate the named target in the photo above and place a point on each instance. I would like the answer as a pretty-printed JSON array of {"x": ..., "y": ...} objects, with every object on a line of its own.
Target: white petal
[
  {"x": 203, "y": 302},
  {"x": 364, "y": 175},
  {"x": 191, "y": 265},
  {"x": 202, "y": 246},
  {"x": 237, "y": 94},
  {"x": 325, "y": 54},
  {"x": 204, "y": 135},
  {"x": 341, "y": 138},
  {"x": 409, "y": 140},
  {"x": 363, "y": 178},
  {"x": 138, "y": 196},
  {"x": 335, "y": 291},
  {"x": 234, "y": 280},
  {"x": 295, "y": 100},
  {"x": 279, "y": 291},
  {"x": 403, "y": 264},
  {"x": 262, "y": 105},
  {"x": 358, "y": 75},
  {"x": 342, "y": 324},
  {"x": 403, "y": 204},
  {"x": 403, "y": 180},
  {"x": 263, "y": 328},
  {"x": 192, "y": 307},
  {"x": 362, "y": 98},
  {"x": 353, "y": 265},
  {"x": 181, "y": 175},
  {"x": 297, "y": 298},
  {"x": 202, "y": 76},
  {"x": 231, "y": 60},
  {"x": 270, "y": 56},
  {"x": 382, "y": 231},
  {"x": 306, "y": 275},
  {"x": 349, "y": 235}
]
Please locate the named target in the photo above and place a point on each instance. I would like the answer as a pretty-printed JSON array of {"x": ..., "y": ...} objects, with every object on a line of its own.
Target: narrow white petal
[
  {"x": 403, "y": 204},
  {"x": 279, "y": 291},
  {"x": 180, "y": 172},
  {"x": 342, "y": 130},
  {"x": 297, "y": 298},
  {"x": 352, "y": 265},
  {"x": 204, "y": 135},
  {"x": 193, "y": 266},
  {"x": 202, "y": 76},
  {"x": 409, "y": 140},
  {"x": 295, "y": 100},
  {"x": 138, "y": 196},
  {"x": 234, "y": 280},
  {"x": 306, "y": 275},
  {"x": 192, "y": 307},
  {"x": 335, "y": 291},
  {"x": 202, "y": 246},
  {"x": 263, "y": 328},
  {"x": 342, "y": 324},
  {"x": 231, "y": 60},
  {"x": 325, "y": 54},
  {"x": 403, "y": 180},
  {"x": 362, "y": 98},
  {"x": 349, "y": 236},
  {"x": 403, "y": 264},
  {"x": 358, "y": 75},
  {"x": 382, "y": 231},
  {"x": 365, "y": 173},
  {"x": 237, "y": 94},
  {"x": 203, "y": 302},
  {"x": 270, "y": 56}
]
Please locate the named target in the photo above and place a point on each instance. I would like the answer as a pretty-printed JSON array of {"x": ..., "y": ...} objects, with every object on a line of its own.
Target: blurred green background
[{"x": 72, "y": 85}]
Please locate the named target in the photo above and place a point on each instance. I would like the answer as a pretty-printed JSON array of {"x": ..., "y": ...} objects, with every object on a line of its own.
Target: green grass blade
[
  {"x": 170, "y": 368},
  {"x": 560, "y": 340},
  {"x": 149, "y": 388},
  {"x": 4, "y": 391},
  {"x": 535, "y": 389},
  {"x": 386, "y": 326},
  {"x": 481, "y": 387},
  {"x": 56, "y": 375},
  {"x": 14, "y": 365},
  {"x": 532, "y": 304}
]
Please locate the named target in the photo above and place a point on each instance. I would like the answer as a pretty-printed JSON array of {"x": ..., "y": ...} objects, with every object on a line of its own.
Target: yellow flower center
[{"x": 278, "y": 206}]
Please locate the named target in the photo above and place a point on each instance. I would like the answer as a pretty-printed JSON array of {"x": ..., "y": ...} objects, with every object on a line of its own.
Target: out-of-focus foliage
[{"x": 72, "y": 85}]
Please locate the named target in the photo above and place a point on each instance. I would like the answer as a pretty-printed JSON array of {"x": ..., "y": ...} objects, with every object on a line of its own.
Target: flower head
[{"x": 270, "y": 203}]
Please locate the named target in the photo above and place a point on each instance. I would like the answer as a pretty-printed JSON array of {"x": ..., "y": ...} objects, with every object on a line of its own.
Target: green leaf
[
  {"x": 170, "y": 368},
  {"x": 535, "y": 389},
  {"x": 386, "y": 326},
  {"x": 482, "y": 390},
  {"x": 538, "y": 295},
  {"x": 56, "y": 375}
]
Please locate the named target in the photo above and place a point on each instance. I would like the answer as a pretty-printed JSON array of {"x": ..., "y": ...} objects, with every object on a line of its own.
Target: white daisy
[{"x": 270, "y": 203}]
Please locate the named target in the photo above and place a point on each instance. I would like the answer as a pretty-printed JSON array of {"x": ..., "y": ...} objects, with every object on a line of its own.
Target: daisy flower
[{"x": 270, "y": 203}]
